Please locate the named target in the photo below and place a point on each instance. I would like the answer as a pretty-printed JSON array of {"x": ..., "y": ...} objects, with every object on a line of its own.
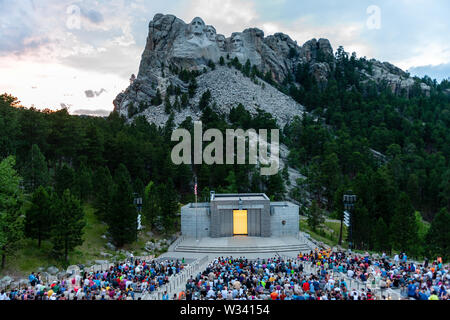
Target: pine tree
[
  {"x": 39, "y": 219},
  {"x": 361, "y": 227},
  {"x": 438, "y": 236},
  {"x": 67, "y": 230},
  {"x": 83, "y": 183},
  {"x": 381, "y": 236},
  {"x": 184, "y": 100},
  {"x": 177, "y": 104},
  {"x": 330, "y": 176},
  {"x": 122, "y": 220},
  {"x": 64, "y": 179},
  {"x": 275, "y": 187},
  {"x": 315, "y": 216},
  {"x": 157, "y": 100},
  {"x": 444, "y": 195},
  {"x": 11, "y": 200},
  {"x": 404, "y": 230},
  {"x": 37, "y": 172},
  {"x": 231, "y": 183},
  {"x": 168, "y": 205},
  {"x": 138, "y": 187},
  {"x": 204, "y": 101},
  {"x": 132, "y": 110},
  {"x": 94, "y": 145},
  {"x": 167, "y": 104},
  {"x": 103, "y": 185},
  {"x": 151, "y": 208},
  {"x": 192, "y": 87},
  {"x": 247, "y": 68}
]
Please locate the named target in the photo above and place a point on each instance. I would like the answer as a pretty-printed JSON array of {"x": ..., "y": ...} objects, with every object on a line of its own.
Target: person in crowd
[{"x": 124, "y": 281}]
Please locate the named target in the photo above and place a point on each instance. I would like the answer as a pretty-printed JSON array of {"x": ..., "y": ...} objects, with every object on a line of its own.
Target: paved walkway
[{"x": 241, "y": 242}]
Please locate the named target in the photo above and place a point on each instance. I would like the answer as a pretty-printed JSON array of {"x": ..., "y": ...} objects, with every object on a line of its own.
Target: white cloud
[
  {"x": 38, "y": 50},
  {"x": 227, "y": 16}
]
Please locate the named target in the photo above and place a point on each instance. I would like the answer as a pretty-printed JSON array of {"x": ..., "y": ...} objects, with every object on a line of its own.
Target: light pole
[
  {"x": 349, "y": 200},
  {"x": 196, "y": 220},
  {"x": 138, "y": 203}
]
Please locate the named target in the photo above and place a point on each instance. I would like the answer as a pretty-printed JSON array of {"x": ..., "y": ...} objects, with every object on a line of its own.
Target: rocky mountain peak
[
  {"x": 171, "y": 41},
  {"x": 194, "y": 46},
  {"x": 174, "y": 46}
]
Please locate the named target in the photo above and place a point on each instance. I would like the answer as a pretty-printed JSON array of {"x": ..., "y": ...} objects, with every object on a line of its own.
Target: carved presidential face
[
  {"x": 211, "y": 33},
  {"x": 220, "y": 39},
  {"x": 197, "y": 26},
  {"x": 236, "y": 43}
]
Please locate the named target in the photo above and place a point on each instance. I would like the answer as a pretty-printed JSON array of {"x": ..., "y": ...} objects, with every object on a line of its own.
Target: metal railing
[
  {"x": 177, "y": 281},
  {"x": 352, "y": 283}
]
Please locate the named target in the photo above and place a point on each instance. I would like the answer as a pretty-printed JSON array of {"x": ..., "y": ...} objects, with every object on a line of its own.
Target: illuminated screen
[{"x": 240, "y": 222}]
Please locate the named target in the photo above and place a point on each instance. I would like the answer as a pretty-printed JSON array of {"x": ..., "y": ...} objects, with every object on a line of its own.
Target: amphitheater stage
[{"x": 241, "y": 246}]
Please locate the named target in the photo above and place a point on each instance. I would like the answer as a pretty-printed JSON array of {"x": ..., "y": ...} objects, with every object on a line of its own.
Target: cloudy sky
[{"x": 81, "y": 54}]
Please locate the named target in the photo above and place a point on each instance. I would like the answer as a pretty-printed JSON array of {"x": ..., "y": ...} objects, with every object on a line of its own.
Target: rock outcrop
[
  {"x": 173, "y": 44},
  {"x": 396, "y": 79},
  {"x": 228, "y": 89}
]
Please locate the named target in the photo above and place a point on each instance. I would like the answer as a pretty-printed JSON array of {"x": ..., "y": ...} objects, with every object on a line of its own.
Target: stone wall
[
  {"x": 195, "y": 222},
  {"x": 288, "y": 212}
]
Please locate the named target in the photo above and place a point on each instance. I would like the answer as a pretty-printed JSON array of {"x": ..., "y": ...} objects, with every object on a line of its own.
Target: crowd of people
[
  {"x": 327, "y": 279},
  {"x": 425, "y": 281},
  {"x": 125, "y": 281},
  {"x": 317, "y": 275}
]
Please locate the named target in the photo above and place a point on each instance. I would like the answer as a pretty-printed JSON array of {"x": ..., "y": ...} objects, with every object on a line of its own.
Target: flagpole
[{"x": 196, "y": 220}]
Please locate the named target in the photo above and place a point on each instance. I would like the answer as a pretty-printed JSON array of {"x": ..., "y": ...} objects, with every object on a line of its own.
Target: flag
[{"x": 195, "y": 189}]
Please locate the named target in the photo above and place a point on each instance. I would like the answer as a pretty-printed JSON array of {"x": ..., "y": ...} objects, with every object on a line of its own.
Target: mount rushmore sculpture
[{"x": 174, "y": 44}]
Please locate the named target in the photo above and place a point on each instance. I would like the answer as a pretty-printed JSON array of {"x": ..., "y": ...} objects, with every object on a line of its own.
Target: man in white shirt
[
  {"x": 3, "y": 296},
  {"x": 350, "y": 273},
  {"x": 211, "y": 294},
  {"x": 225, "y": 292}
]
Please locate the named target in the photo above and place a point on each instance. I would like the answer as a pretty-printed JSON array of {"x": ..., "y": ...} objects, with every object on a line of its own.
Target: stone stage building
[{"x": 230, "y": 215}]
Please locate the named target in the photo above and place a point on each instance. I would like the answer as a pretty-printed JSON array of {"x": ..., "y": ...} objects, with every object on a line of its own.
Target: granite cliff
[{"x": 173, "y": 45}]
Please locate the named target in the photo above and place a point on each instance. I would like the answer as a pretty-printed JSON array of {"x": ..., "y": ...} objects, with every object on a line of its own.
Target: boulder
[
  {"x": 23, "y": 282},
  {"x": 105, "y": 254},
  {"x": 101, "y": 262},
  {"x": 149, "y": 246},
  {"x": 44, "y": 275},
  {"x": 52, "y": 270},
  {"x": 6, "y": 281},
  {"x": 110, "y": 246},
  {"x": 73, "y": 270}
]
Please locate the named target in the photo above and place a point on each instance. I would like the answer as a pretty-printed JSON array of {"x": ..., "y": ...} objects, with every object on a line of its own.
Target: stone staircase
[{"x": 242, "y": 250}]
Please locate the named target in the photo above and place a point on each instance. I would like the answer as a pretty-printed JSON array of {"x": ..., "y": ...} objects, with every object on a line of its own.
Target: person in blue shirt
[
  {"x": 422, "y": 295},
  {"x": 311, "y": 287},
  {"x": 412, "y": 290},
  {"x": 32, "y": 279}
]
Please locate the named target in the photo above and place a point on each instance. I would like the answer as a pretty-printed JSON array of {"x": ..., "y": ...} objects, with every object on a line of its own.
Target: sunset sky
[{"x": 50, "y": 59}]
